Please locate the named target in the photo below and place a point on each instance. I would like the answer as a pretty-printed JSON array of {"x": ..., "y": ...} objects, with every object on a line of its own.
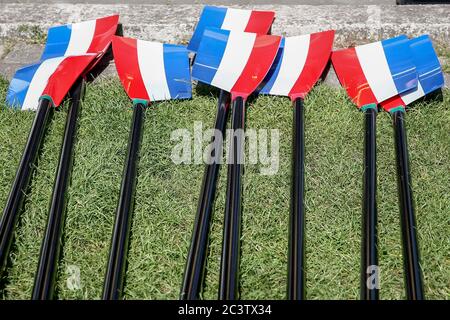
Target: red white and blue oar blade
[
  {"x": 152, "y": 71},
  {"x": 234, "y": 61},
  {"x": 376, "y": 71},
  {"x": 300, "y": 62},
  {"x": 429, "y": 70},
  {"x": 231, "y": 19},
  {"x": 51, "y": 78},
  {"x": 80, "y": 38}
]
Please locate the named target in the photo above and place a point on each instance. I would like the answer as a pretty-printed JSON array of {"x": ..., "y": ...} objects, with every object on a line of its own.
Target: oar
[
  {"x": 102, "y": 31},
  {"x": 228, "y": 19},
  {"x": 236, "y": 62},
  {"x": 300, "y": 63},
  {"x": 373, "y": 73},
  {"x": 431, "y": 78},
  {"x": 39, "y": 86},
  {"x": 21, "y": 181},
  {"x": 149, "y": 72}
]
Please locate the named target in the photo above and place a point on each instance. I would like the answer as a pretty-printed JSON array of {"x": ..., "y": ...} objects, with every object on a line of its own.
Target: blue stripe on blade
[
  {"x": 57, "y": 42},
  {"x": 274, "y": 70},
  {"x": 176, "y": 66},
  {"x": 210, "y": 54},
  {"x": 19, "y": 85},
  {"x": 427, "y": 63},
  {"x": 400, "y": 61},
  {"x": 211, "y": 17}
]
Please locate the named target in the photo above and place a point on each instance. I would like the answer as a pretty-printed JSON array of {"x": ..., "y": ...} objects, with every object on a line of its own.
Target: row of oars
[{"x": 237, "y": 63}]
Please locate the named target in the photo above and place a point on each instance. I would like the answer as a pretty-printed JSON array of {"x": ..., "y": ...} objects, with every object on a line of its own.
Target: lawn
[{"x": 167, "y": 193}]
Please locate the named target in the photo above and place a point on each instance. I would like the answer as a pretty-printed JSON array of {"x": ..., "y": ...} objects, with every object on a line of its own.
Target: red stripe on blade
[
  {"x": 261, "y": 58},
  {"x": 65, "y": 75},
  {"x": 394, "y": 102}
]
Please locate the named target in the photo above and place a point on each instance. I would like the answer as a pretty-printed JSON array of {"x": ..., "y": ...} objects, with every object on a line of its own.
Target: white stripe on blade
[
  {"x": 151, "y": 64},
  {"x": 411, "y": 96},
  {"x": 238, "y": 50},
  {"x": 80, "y": 38},
  {"x": 293, "y": 61},
  {"x": 236, "y": 19},
  {"x": 376, "y": 69},
  {"x": 39, "y": 82}
]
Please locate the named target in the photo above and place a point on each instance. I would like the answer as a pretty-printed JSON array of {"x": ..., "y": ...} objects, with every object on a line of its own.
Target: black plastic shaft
[
  {"x": 296, "y": 256},
  {"x": 21, "y": 182},
  {"x": 369, "y": 256},
  {"x": 196, "y": 259},
  {"x": 229, "y": 268},
  {"x": 115, "y": 273},
  {"x": 413, "y": 274},
  {"x": 44, "y": 281}
]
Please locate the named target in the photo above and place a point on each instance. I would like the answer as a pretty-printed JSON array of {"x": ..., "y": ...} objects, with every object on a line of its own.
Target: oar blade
[
  {"x": 234, "y": 61},
  {"x": 429, "y": 70},
  {"x": 300, "y": 62},
  {"x": 231, "y": 19},
  {"x": 152, "y": 71},
  {"x": 51, "y": 78},
  {"x": 91, "y": 36},
  {"x": 376, "y": 71}
]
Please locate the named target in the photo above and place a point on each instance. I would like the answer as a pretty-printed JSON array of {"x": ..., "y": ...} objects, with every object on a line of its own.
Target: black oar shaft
[
  {"x": 196, "y": 259},
  {"x": 44, "y": 281},
  {"x": 229, "y": 269},
  {"x": 296, "y": 255},
  {"x": 21, "y": 181},
  {"x": 413, "y": 275},
  {"x": 115, "y": 273},
  {"x": 369, "y": 263}
]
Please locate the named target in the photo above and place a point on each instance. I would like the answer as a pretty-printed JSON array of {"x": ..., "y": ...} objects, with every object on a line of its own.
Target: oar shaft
[
  {"x": 229, "y": 269},
  {"x": 413, "y": 275},
  {"x": 196, "y": 259},
  {"x": 115, "y": 273},
  {"x": 296, "y": 256},
  {"x": 44, "y": 281},
  {"x": 369, "y": 263},
  {"x": 21, "y": 181}
]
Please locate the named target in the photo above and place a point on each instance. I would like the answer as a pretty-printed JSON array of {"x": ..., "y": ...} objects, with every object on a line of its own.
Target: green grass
[{"x": 167, "y": 195}]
